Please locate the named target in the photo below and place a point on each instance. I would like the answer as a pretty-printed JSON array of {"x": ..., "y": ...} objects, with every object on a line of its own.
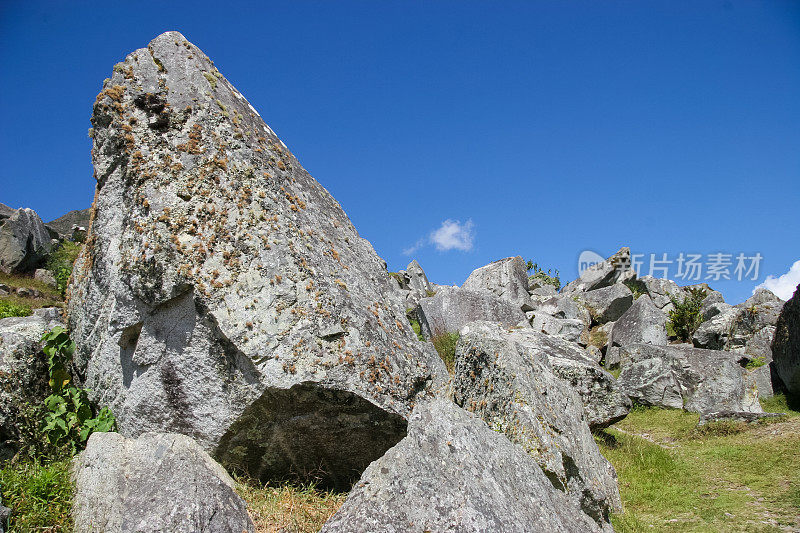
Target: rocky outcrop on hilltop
[
  {"x": 72, "y": 226},
  {"x": 223, "y": 293},
  {"x": 158, "y": 482},
  {"x": 452, "y": 473}
]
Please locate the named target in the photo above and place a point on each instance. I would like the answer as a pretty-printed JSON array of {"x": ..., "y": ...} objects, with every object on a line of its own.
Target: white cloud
[
  {"x": 452, "y": 235},
  {"x": 785, "y": 285}
]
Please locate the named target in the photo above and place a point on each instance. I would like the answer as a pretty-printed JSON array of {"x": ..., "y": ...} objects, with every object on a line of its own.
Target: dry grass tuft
[{"x": 288, "y": 508}]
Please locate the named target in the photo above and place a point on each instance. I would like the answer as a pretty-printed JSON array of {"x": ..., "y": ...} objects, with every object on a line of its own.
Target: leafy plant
[
  {"x": 60, "y": 263},
  {"x": 686, "y": 318},
  {"x": 8, "y": 309},
  {"x": 637, "y": 287},
  {"x": 445, "y": 345},
  {"x": 70, "y": 417},
  {"x": 549, "y": 277}
]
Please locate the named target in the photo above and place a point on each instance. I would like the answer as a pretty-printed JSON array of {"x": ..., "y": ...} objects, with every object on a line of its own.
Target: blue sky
[{"x": 466, "y": 131}]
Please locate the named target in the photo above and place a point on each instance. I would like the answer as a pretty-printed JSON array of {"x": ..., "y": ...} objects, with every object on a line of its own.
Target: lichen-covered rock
[
  {"x": 661, "y": 291},
  {"x": 615, "y": 269},
  {"x": 24, "y": 241},
  {"x": 642, "y": 323},
  {"x": 452, "y": 473},
  {"x": 570, "y": 329},
  {"x": 23, "y": 375},
  {"x": 413, "y": 283},
  {"x": 608, "y": 303},
  {"x": 786, "y": 346},
  {"x": 510, "y": 380},
  {"x": 506, "y": 278},
  {"x": 224, "y": 294},
  {"x": 157, "y": 483},
  {"x": 452, "y": 308},
  {"x": 684, "y": 377}
]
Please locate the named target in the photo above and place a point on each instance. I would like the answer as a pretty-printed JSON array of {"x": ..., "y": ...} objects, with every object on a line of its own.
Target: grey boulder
[
  {"x": 506, "y": 278},
  {"x": 450, "y": 309},
  {"x": 642, "y": 323},
  {"x": 661, "y": 291},
  {"x": 157, "y": 483},
  {"x": 786, "y": 346},
  {"x": 684, "y": 377},
  {"x": 507, "y": 379},
  {"x": 615, "y": 269},
  {"x": 452, "y": 473},
  {"x": 223, "y": 293},
  {"x": 24, "y": 242},
  {"x": 607, "y": 304}
]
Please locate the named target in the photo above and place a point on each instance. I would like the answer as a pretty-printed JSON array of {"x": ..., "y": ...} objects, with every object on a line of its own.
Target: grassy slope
[{"x": 727, "y": 477}]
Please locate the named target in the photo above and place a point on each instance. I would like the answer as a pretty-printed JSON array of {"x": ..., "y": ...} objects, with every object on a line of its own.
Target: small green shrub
[
  {"x": 549, "y": 277},
  {"x": 430, "y": 293},
  {"x": 39, "y": 495},
  {"x": 685, "y": 318},
  {"x": 70, "y": 417},
  {"x": 8, "y": 309},
  {"x": 755, "y": 362},
  {"x": 637, "y": 287},
  {"x": 445, "y": 344},
  {"x": 60, "y": 263}
]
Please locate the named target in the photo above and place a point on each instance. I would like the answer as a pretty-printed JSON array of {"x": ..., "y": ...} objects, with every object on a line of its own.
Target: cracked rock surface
[{"x": 219, "y": 279}]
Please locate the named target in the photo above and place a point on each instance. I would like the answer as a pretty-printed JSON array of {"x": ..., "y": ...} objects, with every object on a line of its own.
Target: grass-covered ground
[{"x": 725, "y": 477}]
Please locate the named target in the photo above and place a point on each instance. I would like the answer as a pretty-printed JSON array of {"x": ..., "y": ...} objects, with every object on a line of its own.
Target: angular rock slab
[
  {"x": 156, "y": 483},
  {"x": 451, "y": 309},
  {"x": 608, "y": 303},
  {"x": 642, "y": 323},
  {"x": 508, "y": 380},
  {"x": 615, "y": 269},
  {"x": 684, "y": 377},
  {"x": 452, "y": 473},
  {"x": 786, "y": 346},
  {"x": 506, "y": 278},
  {"x": 218, "y": 274},
  {"x": 24, "y": 241}
]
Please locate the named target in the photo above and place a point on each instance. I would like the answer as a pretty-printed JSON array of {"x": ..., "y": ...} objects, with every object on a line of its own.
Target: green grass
[
  {"x": 445, "y": 344},
  {"x": 50, "y": 296},
  {"x": 8, "y": 308},
  {"x": 60, "y": 263},
  {"x": 723, "y": 477},
  {"x": 39, "y": 496}
]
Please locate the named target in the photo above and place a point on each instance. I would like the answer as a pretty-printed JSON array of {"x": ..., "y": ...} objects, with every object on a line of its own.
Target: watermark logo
[
  {"x": 684, "y": 266},
  {"x": 588, "y": 259}
]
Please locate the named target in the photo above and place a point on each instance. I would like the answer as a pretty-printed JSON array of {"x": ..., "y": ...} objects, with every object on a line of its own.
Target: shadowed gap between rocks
[{"x": 309, "y": 433}]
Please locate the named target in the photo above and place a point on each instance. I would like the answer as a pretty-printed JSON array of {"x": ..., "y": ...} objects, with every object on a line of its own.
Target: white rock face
[
  {"x": 507, "y": 279},
  {"x": 224, "y": 294}
]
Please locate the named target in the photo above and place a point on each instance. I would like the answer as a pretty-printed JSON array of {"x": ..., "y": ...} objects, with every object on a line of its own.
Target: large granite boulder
[
  {"x": 24, "y": 242},
  {"x": 506, "y": 278},
  {"x": 684, "y": 377},
  {"x": 509, "y": 381},
  {"x": 157, "y": 483},
  {"x": 223, "y": 293},
  {"x": 786, "y": 346},
  {"x": 608, "y": 303},
  {"x": 450, "y": 309},
  {"x": 452, "y": 473},
  {"x": 570, "y": 329},
  {"x": 615, "y": 269},
  {"x": 413, "y": 284},
  {"x": 642, "y": 323},
  {"x": 23, "y": 375},
  {"x": 661, "y": 291}
]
